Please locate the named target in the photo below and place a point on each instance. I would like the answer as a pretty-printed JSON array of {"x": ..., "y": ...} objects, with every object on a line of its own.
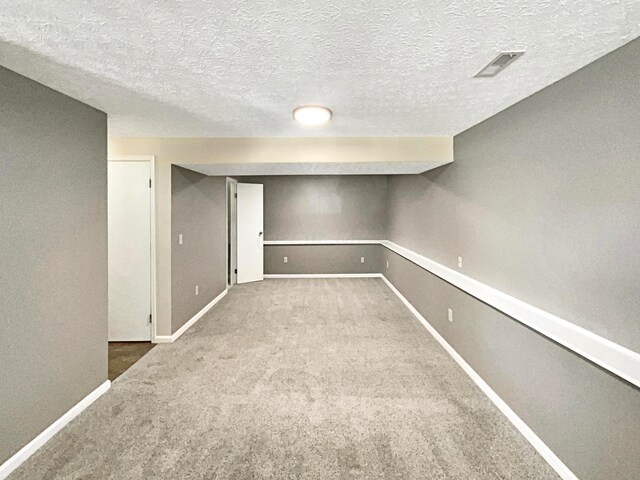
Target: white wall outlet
[
  {"x": 387, "y": 263},
  {"x": 179, "y": 239},
  {"x": 286, "y": 259},
  {"x": 459, "y": 262},
  {"x": 450, "y": 315},
  {"x": 361, "y": 259},
  {"x": 197, "y": 289}
]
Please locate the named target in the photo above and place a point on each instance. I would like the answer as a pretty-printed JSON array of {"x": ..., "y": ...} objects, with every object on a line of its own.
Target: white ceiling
[
  {"x": 236, "y": 68},
  {"x": 309, "y": 168}
]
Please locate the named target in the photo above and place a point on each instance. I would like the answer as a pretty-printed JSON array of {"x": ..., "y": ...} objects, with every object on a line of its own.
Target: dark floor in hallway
[
  {"x": 294, "y": 379},
  {"x": 124, "y": 354}
]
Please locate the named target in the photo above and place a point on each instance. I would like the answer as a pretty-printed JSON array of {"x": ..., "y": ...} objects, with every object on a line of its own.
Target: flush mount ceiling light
[
  {"x": 502, "y": 61},
  {"x": 312, "y": 115}
]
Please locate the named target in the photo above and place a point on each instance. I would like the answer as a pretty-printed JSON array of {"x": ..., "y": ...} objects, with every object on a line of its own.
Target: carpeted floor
[{"x": 311, "y": 378}]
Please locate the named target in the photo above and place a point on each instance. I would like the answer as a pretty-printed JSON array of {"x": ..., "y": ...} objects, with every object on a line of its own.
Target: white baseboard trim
[
  {"x": 322, "y": 242},
  {"x": 30, "y": 448},
  {"x": 192, "y": 320},
  {"x": 324, "y": 275},
  {"x": 162, "y": 339},
  {"x": 552, "y": 459}
]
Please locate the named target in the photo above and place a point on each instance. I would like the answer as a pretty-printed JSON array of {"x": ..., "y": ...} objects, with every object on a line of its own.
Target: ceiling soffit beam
[{"x": 436, "y": 149}]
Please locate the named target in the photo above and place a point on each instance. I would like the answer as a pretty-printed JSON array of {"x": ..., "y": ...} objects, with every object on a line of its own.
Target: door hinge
[
  {"x": 235, "y": 195},
  {"x": 235, "y": 271},
  {"x": 149, "y": 183},
  {"x": 150, "y": 317}
]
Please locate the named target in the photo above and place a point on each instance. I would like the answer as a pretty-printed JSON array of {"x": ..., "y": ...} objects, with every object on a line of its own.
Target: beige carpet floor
[{"x": 287, "y": 379}]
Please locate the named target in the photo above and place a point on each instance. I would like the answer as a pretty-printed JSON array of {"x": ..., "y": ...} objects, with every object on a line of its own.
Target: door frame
[
  {"x": 152, "y": 177},
  {"x": 232, "y": 233}
]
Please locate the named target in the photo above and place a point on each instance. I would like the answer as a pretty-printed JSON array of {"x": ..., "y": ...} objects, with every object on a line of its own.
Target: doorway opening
[
  {"x": 245, "y": 235},
  {"x": 131, "y": 260}
]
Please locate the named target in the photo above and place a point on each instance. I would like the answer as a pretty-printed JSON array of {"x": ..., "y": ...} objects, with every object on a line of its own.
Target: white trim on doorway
[
  {"x": 30, "y": 448},
  {"x": 154, "y": 283}
]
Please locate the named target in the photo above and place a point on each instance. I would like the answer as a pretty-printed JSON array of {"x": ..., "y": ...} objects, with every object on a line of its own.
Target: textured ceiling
[
  {"x": 237, "y": 68},
  {"x": 308, "y": 168}
]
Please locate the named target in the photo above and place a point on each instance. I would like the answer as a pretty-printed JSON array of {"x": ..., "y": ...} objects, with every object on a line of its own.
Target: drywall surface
[
  {"x": 542, "y": 200},
  {"x": 198, "y": 213},
  {"x": 324, "y": 207},
  {"x": 322, "y": 259},
  {"x": 53, "y": 261},
  {"x": 305, "y": 150},
  {"x": 588, "y": 417},
  {"x": 541, "y": 203},
  {"x": 317, "y": 168}
]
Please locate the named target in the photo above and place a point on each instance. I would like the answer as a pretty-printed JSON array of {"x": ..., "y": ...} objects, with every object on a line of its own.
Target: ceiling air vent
[{"x": 499, "y": 63}]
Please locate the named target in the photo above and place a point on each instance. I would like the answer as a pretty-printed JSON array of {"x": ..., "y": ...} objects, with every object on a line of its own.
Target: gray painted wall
[
  {"x": 198, "y": 212},
  {"x": 542, "y": 203},
  {"x": 331, "y": 207},
  {"x": 587, "y": 416},
  {"x": 53, "y": 261},
  {"x": 322, "y": 259}
]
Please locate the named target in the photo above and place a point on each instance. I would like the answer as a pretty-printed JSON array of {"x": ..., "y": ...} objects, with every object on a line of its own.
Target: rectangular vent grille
[{"x": 502, "y": 61}]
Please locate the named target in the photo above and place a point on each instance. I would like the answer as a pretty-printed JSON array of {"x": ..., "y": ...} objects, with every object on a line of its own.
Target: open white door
[
  {"x": 232, "y": 243},
  {"x": 249, "y": 216},
  {"x": 129, "y": 234}
]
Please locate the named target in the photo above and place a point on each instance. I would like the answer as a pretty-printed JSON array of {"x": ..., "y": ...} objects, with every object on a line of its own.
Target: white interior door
[
  {"x": 129, "y": 214},
  {"x": 249, "y": 214}
]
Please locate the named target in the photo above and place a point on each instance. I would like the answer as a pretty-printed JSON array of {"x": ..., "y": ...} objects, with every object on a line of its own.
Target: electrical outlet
[
  {"x": 179, "y": 239},
  {"x": 286, "y": 259},
  {"x": 197, "y": 289},
  {"x": 450, "y": 315},
  {"x": 459, "y": 262},
  {"x": 361, "y": 259}
]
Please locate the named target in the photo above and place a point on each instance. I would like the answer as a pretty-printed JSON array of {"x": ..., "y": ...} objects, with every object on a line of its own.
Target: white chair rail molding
[{"x": 613, "y": 357}]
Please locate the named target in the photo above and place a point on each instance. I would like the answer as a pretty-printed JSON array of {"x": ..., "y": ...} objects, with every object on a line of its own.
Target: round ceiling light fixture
[{"x": 312, "y": 115}]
